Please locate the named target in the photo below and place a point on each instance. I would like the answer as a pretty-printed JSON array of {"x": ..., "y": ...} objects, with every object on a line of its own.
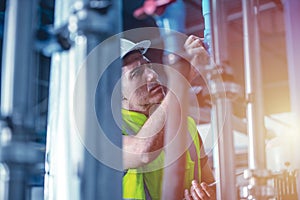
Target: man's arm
[
  {"x": 145, "y": 146},
  {"x": 207, "y": 174},
  {"x": 201, "y": 189},
  {"x": 206, "y": 171}
]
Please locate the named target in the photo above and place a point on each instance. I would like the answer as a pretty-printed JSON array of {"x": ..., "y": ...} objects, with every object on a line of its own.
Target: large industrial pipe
[
  {"x": 291, "y": 9},
  {"x": 253, "y": 86},
  {"x": 63, "y": 152},
  {"x": 224, "y": 153},
  {"x": 291, "y": 12},
  {"x": 19, "y": 65},
  {"x": 19, "y": 96}
]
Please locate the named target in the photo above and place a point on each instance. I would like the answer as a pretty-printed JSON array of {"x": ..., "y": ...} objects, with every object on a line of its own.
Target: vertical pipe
[
  {"x": 19, "y": 62},
  {"x": 222, "y": 107},
  {"x": 291, "y": 14},
  {"x": 206, "y": 11},
  {"x": 102, "y": 179},
  {"x": 4, "y": 178},
  {"x": 18, "y": 93},
  {"x": 253, "y": 86},
  {"x": 63, "y": 152},
  {"x": 9, "y": 43},
  {"x": 219, "y": 31},
  {"x": 225, "y": 170}
]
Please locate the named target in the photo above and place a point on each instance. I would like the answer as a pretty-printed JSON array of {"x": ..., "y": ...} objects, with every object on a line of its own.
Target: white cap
[{"x": 128, "y": 46}]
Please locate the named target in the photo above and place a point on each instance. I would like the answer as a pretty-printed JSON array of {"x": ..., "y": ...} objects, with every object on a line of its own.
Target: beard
[{"x": 143, "y": 98}]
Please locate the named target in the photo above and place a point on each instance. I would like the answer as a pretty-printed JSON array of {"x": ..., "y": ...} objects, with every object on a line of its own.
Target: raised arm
[{"x": 145, "y": 146}]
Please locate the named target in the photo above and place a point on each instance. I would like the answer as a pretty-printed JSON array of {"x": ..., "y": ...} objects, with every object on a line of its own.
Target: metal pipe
[
  {"x": 102, "y": 169},
  {"x": 253, "y": 86},
  {"x": 19, "y": 95},
  {"x": 222, "y": 106},
  {"x": 206, "y": 12},
  {"x": 219, "y": 31},
  {"x": 61, "y": 177},
  {"x": 105, "y": 180},
  {"x": 19, "y": 67},
  {"x": 291, "y": 14},
  {"x": 230, "y": 17},
  {"x": 225, "y": 169},
  {"x": 4, "y": 179},
  {"x": 291, "y": 9}
]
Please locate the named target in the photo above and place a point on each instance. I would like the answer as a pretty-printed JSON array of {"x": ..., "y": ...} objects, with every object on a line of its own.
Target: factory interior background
[{"x": 41, "y": 157}]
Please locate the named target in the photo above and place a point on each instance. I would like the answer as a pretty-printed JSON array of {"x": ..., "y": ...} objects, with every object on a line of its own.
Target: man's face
[{"x": 140, "y": 84}]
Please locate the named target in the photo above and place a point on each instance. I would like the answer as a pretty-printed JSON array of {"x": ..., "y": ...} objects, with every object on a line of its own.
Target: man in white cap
[{"x": 144, "y": 105}]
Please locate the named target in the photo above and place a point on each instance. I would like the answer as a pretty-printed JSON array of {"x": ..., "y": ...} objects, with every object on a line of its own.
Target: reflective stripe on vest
[{"x": 150, "y": 176}]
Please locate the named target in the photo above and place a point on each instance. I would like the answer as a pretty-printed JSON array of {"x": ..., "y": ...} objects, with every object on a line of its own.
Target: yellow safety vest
[{"x": 138, "y": 182}]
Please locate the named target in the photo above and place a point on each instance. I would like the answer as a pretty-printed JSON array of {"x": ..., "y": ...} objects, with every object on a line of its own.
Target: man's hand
[
  {"x": 194, "y": 47},
  {"x": 199, "y": 191},
  {"x": 190, "y": 62}
]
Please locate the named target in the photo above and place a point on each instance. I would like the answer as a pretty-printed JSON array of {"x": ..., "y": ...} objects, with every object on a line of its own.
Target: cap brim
[{"x": 143, "y": 46}]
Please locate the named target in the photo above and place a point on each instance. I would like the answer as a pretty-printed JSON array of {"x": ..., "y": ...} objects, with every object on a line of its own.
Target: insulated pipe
[
  {"x": 224, "y": 154},
  {"x": 253, "y": 86},
  {"x": 206, "y": 12}
]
